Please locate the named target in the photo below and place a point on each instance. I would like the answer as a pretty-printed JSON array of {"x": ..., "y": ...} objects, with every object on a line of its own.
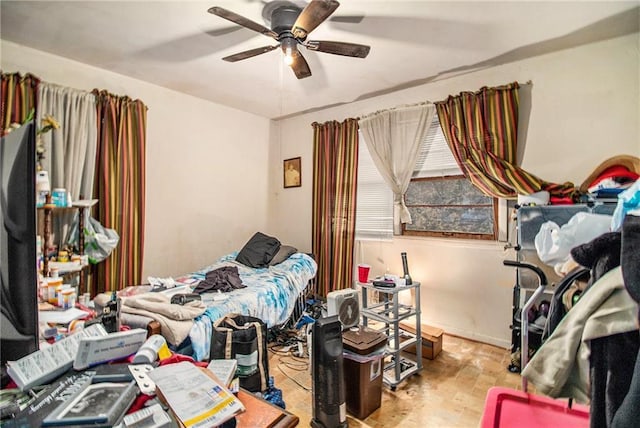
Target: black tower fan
[{"x": 327, "y": 372}]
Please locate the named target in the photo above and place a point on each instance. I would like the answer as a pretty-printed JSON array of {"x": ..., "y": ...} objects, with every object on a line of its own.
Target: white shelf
[
  {"x": 84, "y": 203},
  {"x": 66, "y": 267},
  {"x": 389, "y": 312}
]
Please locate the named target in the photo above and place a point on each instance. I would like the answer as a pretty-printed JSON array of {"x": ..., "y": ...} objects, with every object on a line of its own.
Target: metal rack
[
  {"x": 390, "y": 312},
  {"x": 48, "y": 213},
  {"x": 529, "y": 220}
]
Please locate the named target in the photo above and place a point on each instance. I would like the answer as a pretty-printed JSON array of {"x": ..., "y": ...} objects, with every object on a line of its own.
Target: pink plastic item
[{"x": 506, "y": 408}]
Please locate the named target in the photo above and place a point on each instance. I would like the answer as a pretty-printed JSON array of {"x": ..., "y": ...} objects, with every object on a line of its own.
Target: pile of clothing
[
  {"x": 588, "y": 349},
  {"x": 612, "y": 177}
]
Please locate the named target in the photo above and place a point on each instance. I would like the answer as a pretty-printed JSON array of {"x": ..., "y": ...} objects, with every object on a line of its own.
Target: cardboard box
[{"x": 431, "y": 339}]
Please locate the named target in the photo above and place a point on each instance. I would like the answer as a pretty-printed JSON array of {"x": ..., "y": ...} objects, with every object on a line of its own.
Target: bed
[{"x": 271, "y": 294}]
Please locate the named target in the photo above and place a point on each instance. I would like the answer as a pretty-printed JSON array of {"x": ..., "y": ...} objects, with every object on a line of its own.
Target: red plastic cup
[{"x": 363, "y": 273}]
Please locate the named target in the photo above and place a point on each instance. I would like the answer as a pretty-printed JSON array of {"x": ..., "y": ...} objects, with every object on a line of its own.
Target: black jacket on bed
[{"x": 223, "y": 279}]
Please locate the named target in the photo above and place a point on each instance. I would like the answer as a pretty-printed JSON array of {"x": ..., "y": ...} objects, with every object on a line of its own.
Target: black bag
[
  {"x": 243, "y": 338},
  {"x": 258, "y": 251}
]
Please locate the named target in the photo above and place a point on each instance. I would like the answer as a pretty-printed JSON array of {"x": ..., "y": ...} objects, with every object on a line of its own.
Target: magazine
[
  {"x": 94, "y": 404},
  {"x": 195, "y": 396}
]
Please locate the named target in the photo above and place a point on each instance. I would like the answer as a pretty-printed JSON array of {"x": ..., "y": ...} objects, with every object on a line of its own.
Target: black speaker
[{"x": 327, "y": 372}]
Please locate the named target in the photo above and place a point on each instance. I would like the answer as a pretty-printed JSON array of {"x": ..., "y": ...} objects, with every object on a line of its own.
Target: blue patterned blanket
[{"x": 270, "y": 295}]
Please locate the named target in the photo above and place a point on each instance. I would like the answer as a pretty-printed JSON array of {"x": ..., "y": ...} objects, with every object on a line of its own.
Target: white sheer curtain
[
  {"x": 70, "y": 156},
  {"x": 393, "y": 138}
]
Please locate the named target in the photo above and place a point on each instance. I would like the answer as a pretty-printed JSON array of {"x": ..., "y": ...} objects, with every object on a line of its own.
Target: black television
[{"x": 19, "y": 332}]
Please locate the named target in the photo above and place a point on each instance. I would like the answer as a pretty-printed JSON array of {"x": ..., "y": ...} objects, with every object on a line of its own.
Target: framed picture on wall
[{"x": 292, "y": 172}]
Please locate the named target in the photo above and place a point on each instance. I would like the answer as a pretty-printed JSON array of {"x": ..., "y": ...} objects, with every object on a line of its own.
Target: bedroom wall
[
  {"x": 206, "y": 169},
  {"x": 585, "y": 108}
]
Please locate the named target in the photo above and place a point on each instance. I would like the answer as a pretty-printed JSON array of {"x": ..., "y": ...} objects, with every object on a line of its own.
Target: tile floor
[{"x": 449, "y": 391}]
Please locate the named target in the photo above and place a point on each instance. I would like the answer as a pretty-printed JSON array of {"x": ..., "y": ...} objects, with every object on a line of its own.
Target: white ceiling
[{"x": 179, "y": 45}]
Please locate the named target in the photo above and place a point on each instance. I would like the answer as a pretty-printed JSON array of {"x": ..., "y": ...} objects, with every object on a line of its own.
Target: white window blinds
[
  {"x": 374, "y": 212},
  {"x": 435, "y": 158}
]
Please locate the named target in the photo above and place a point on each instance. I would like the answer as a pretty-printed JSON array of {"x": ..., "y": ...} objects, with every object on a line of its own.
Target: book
[
  {"x": 223, "y": 369},
  {"x": 48, "y": 363},
  {"x": 95, "y": 404},
  {"x": 194, "y": 395}
]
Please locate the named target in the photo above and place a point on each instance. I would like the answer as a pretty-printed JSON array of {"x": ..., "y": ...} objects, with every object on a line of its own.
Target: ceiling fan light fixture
[
  {"x": 288, "y": 58},
  {"x": 289, "y": 48}
]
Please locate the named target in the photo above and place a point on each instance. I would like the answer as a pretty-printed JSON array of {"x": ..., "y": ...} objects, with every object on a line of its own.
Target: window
[
  {"x": 442, "y": 202},
  {"x": 449, "y": 207},
  {"x": 374, "y": 212}
]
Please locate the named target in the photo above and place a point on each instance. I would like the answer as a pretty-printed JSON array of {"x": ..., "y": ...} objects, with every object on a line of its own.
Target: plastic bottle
[
  {"x": 59, "y": 197},
  {"x": 42, "y": 187},
  {"x": 67, "y": 296},
  {"x": 155, "y": 347},
  {"x": 52, "y": 285}
]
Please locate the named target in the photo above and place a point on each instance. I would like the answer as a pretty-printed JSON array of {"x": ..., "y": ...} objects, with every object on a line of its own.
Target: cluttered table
[
  {"x": 106, "y": 395},
  {"x": 98, "y": 375},
  {"x": 92, "y": 377}
]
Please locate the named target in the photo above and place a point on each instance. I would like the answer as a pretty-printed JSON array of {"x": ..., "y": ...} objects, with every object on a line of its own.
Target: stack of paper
[
  {"x": 62, "y": 317},
  {"x": 195, "y": 397},
  {"x": 225, "y": 370}
]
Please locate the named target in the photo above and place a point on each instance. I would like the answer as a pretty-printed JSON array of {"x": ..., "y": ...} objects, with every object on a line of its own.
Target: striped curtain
[
  {"x": 120, "y": 186},
  {"x": 17, "y": 99},
  {"x": 335, "y": 160},
  {"x": 481, "y": 130}
]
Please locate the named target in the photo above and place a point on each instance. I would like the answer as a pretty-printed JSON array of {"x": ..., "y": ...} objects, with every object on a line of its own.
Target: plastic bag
[
  {"x": 554, "y": 243},
  {"x": 628, "y": 203},
  {"x": 99, "y": 241}
]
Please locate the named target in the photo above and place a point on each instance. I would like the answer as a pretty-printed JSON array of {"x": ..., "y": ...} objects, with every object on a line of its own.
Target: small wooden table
[
  {"x": 258, "y": 413},
  {"x": 261, "y": 413}
]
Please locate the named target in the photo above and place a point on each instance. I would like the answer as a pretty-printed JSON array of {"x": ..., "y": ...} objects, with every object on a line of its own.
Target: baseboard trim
[{"x": 476, "y": 337}]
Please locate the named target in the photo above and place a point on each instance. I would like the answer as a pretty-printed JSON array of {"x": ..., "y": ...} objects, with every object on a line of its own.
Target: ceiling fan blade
[
  {"x": 241, "y": 20},
  {"x": 250, "y": 53},
  {"x": 312, "y": 16},
  {"x": 338, "y": 48},
  {"x": 300, "y": 66},
  {"x": 347, "y": 19}
]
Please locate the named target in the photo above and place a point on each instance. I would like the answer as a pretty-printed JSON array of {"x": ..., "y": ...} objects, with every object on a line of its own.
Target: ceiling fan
[{"x": 290, "y": 26}]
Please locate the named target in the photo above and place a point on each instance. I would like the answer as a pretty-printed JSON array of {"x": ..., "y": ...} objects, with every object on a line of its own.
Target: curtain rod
[{"x": 527, "y": 83}]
